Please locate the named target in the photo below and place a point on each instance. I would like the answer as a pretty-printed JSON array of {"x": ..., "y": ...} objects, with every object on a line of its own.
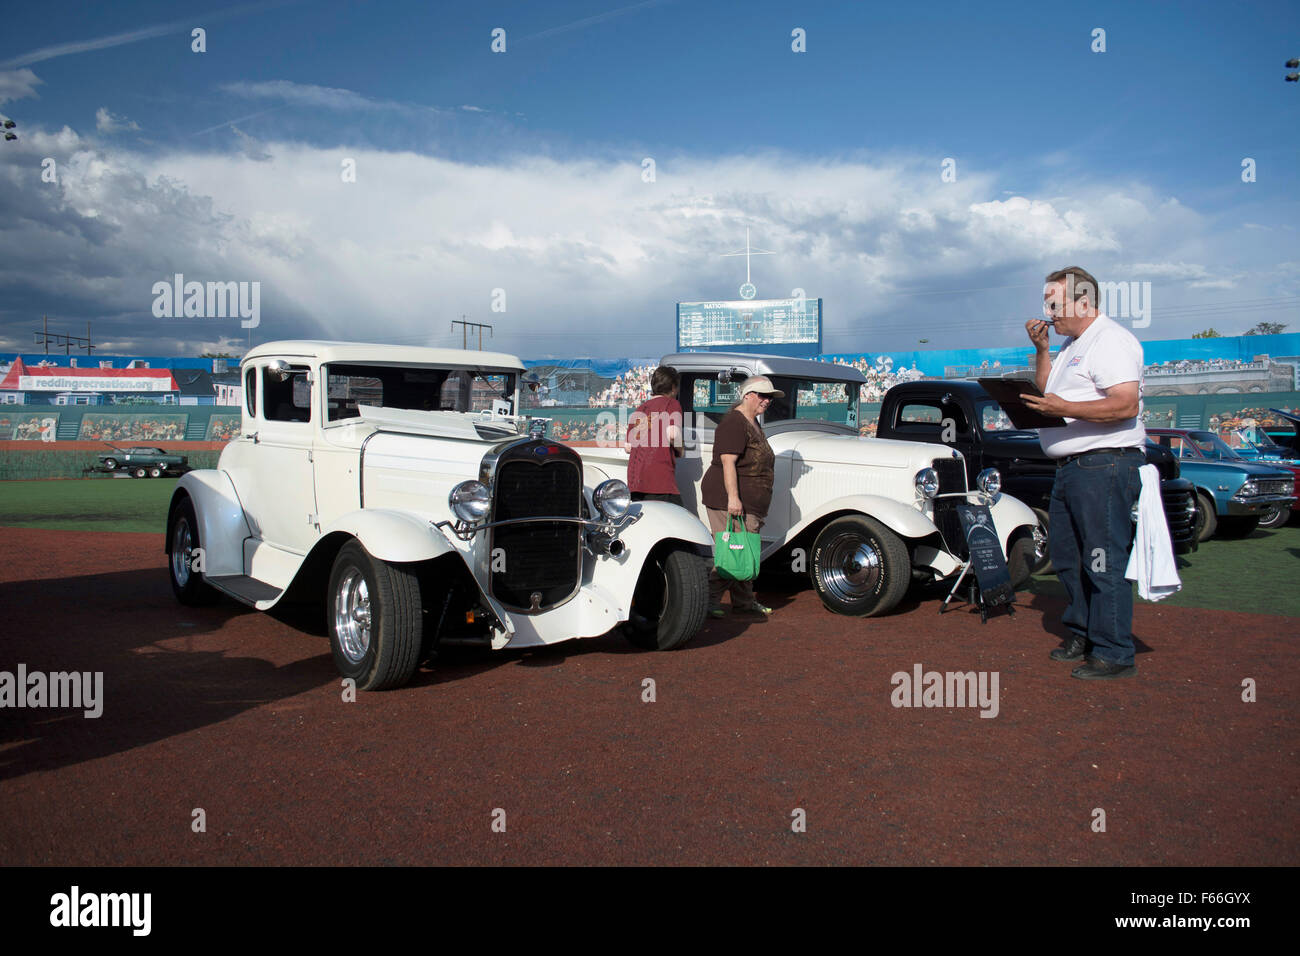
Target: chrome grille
[
  {"x": 542, "y": 558},
  {"x": 952, "y": 475},
  {"x": 1273, "y": 486}
]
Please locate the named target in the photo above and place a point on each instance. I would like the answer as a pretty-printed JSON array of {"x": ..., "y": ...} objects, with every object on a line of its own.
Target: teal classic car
[
  {"x": 1232, "y": 493},
  {"x": 143, "y": 461}
]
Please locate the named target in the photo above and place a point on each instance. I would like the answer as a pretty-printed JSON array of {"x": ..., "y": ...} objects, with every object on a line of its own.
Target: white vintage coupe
[{"x": 400, "y": 490}]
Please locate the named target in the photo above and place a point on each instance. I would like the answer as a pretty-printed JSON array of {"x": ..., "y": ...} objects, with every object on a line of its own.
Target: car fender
[
  {"x": 660, "y": 521},
  {"x": 1009, "y": 515},
  {"x": 395, "y": 536},
  {"x": 222, "y": 525},
  {"x": 902, "y": 519}
]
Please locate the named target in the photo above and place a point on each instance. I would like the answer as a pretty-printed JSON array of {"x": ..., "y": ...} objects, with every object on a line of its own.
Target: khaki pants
[{"x": 742, "y": 592}]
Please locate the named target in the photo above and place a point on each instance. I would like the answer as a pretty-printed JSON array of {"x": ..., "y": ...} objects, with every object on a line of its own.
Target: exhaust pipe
[{"x": 601, "y": 542}]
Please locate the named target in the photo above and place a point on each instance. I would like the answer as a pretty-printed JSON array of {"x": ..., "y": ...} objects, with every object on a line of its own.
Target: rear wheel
[
  {"x": 375, "y": 619},
  {"x": 155, "y": 472},
  {"x": 139, "y": 472},
  {"x": 670, "y": 600},
  {"x": 1206, "y": 519},
  {"x": 1238, "y": 526},
  {"x": 860, "y": 567},
  {"x": 185, "y": 558}
]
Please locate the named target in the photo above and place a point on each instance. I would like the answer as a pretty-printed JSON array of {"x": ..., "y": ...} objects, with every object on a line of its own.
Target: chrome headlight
[
  {"x": 989, "y": 481},
  {"x": 612, "y": 498},
  {"x": 927, "y": 482},
  {"x": 470, "y": 501},
  {"x": 1288, "y": 487},
  {"x": 1248, "y": 490}
]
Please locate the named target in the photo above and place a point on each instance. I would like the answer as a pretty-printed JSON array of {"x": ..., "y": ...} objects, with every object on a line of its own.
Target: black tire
[
  {"x": 182, "y": 541},
  {"x": 1207, "y": 521},
  {"x": 1020, "y": 561},
  {"x": 110, "y": 464},
  {"x": 859, "y": 567},
  {"x": 377, "y": 643},
  {"x": 1275, "y": 516},
  {"x": 1238, "y": 526},
  {"x": 670, "y": 600},
  {"x": 139, "y": 472},
  {"x": 155, "y": 472}
]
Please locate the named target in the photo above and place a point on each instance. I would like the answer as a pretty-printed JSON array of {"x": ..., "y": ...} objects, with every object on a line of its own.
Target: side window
[
  {"x": 709, "y": 398},
  {"x": 286, "y": 398},
  {"x": 250, "y": 390}
]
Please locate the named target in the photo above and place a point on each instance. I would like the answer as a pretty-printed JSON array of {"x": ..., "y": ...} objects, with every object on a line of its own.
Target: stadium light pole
[
  {"x": 1292, "y": 64},
  {"x": 8, "y": 126}
]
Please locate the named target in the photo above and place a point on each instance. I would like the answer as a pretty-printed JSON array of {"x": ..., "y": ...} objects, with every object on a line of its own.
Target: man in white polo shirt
[{"x": 1095, "y": 384}]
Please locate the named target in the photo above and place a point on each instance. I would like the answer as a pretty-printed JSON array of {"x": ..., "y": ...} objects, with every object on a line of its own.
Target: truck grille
[
  {"x": 537, "y": 479},
  {"x": 1180, "y": 515}
]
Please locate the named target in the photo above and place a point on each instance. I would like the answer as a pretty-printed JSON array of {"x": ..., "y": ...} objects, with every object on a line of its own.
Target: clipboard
[{"x": 1010, "y": 392}]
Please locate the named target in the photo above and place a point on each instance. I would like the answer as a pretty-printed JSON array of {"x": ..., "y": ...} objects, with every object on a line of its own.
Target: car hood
[{"x": 880, "y": 452}]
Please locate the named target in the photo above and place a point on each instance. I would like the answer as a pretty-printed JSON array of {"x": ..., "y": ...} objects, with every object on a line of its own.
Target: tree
[
  {"x": 1266, "y": 328},
  {"x": 1207, "y": 334}
]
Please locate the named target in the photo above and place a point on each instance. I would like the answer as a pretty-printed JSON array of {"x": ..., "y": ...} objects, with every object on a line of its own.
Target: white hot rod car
[
  {"x": 401, "y": 490},
  {"x": 863, "y": 516}
]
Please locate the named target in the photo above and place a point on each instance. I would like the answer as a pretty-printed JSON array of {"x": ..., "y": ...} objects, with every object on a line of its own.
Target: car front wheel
[
  {"x": 110, "y": 464},
  {"x": 1206, "y": 519},
  {"x": 375, "y": 619},
  {"x": 859, "y": 567},
  {"x": 670, "y": 600},
  {"x": 1021, "y": 561},
  {"x": 1274, "y": 516}
]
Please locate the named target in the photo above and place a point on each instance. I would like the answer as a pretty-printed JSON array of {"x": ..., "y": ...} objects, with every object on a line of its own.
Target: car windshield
[
  {"x": 1212, "y": 446},
  {"x": 808, "y": 399},
  {"x": 420, "y": 389}
]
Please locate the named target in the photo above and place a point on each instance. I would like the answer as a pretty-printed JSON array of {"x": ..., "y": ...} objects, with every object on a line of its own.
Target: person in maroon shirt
[{"x": 654, "y": 438}]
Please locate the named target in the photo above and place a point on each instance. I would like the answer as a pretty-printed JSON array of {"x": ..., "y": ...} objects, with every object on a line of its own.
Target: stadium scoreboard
[{"x": 787, "y": 326}]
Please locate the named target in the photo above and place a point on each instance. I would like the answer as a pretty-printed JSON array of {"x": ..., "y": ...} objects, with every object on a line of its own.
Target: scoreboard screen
[{"x": 705, "y": 325}]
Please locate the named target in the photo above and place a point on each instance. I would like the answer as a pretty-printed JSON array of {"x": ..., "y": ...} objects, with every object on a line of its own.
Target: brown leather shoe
[{"x": 1071, "y": 650}]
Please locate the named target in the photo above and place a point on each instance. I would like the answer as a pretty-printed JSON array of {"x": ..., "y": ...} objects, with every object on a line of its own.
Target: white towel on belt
[{"x": 1151, "y": 563}]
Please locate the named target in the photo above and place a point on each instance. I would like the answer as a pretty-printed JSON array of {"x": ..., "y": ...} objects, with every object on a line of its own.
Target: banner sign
[{"x": 987, "y": 562}]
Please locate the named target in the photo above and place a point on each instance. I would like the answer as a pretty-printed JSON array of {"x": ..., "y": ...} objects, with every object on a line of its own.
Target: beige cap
[{"x": 760, "y": 384}]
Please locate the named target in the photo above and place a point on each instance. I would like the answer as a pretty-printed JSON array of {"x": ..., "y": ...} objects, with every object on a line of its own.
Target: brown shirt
[{"x": 737, "y": 435}]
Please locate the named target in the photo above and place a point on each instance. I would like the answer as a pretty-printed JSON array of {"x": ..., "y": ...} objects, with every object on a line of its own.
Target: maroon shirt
[{"x": 652, "y": 468}]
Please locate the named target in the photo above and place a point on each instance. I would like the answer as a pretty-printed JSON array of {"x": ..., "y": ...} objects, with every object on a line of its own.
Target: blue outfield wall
[{"x": 932, "y": 362}]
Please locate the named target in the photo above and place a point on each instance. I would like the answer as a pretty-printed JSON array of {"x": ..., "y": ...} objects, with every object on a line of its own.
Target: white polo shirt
[{"x": 1105, "y": 355}]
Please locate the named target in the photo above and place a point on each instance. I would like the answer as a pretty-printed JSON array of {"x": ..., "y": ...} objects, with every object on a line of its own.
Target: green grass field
[
  {"x": 1257, "y": 574},
  {"x": 89, "y": 504}
]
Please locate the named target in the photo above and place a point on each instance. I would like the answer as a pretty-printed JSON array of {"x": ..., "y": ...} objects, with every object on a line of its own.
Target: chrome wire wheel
[
  {"x": 182, "y": 551},
  {"x": 352, "y": 615},
  {"x": 852, "y": 568}
]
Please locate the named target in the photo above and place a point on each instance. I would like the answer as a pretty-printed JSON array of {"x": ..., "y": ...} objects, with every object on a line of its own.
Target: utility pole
[{"x": 464, "y": 331}]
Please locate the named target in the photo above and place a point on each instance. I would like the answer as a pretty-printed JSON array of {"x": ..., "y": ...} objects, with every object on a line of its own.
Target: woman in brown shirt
[{"x": 739, "y": 482}]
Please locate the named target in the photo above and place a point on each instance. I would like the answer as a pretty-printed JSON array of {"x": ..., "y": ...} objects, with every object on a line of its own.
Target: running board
[{"x": 246, "y": 590}]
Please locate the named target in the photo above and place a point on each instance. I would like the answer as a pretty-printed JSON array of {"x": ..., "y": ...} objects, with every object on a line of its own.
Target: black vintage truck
[{"x": 964, "y": 416}]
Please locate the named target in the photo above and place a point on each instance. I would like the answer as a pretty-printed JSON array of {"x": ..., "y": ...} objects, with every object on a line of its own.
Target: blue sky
[{"x": 522, "y": 171}]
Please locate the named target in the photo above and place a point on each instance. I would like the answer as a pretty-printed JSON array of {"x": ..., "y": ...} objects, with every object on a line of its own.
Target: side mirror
[{"x": 278, "y": 369}]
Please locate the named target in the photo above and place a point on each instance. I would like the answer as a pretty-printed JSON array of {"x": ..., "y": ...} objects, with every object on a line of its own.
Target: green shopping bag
[{"x": 736, "y": 552}]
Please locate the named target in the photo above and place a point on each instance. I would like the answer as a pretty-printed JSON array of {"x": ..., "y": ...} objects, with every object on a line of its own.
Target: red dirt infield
[{"x": 240, "y": 714}]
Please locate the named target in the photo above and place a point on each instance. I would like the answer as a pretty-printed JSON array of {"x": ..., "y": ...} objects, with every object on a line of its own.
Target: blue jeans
[{"x": 1090, "y": 536}]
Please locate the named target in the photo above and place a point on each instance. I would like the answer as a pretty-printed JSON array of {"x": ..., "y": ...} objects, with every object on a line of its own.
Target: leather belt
[{"x": 1062, "y": 462}]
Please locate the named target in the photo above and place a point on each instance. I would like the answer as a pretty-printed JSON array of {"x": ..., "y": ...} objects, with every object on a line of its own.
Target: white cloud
[
  {"x": 591, "y": 257},
  {"x": 17, "y": 84},
  {"x": 106, "y": 122},
  {"x": 319, "y": 97}
]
